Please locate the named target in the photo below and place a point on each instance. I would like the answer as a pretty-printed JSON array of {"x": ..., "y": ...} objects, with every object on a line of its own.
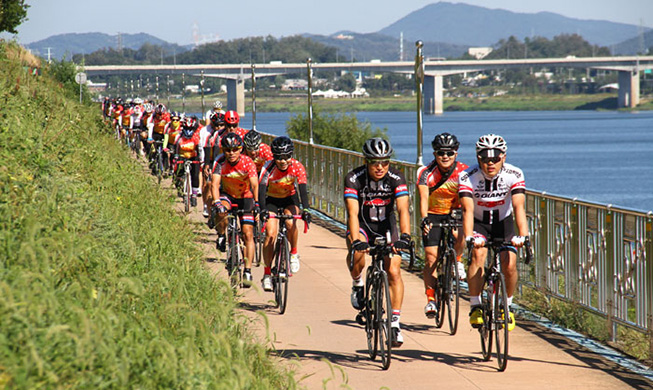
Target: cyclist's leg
[
  {"x": 291, "y": 224},
  {"x": 393, "y": 268},
  {"x": 221, "y": 218},
  {"x": 356, "y": 264},
  {"x": 509, "y": 269},
  {"x": 271, "y": 230},
  {"x": 247, "y": 226},
  {"x": 195, "y": 179}
]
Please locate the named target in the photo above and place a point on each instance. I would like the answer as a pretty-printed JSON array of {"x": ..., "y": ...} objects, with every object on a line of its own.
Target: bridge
[{"x": 628, "y": 69}]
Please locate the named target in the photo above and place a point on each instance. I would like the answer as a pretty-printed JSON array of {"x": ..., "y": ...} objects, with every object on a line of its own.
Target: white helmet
[
  {"x": 377, "y": 148},
  {"x": 217, "y": 105},
  {"x": 491, "y": 141},
  {"x": 138, "y": 101}
]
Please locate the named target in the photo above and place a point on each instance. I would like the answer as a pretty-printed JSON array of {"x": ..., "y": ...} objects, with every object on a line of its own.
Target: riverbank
[{"x": 296, "y": 102}]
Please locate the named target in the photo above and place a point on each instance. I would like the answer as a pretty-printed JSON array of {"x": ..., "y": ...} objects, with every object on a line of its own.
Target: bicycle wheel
[
  {"x": 486, "y": 330},
  {"x": 371, "y": 331},
  {"x": 187, "y": 191},
  {"x": 258, "y": 242},
  {"x": 452, "y": 291},
  {"x": 500, "y": 321},
  {"x": 384, "y": 319},
  {"x": 440, "y": 294},
  {"x": 283, "y": 267},
  {"x": 233, "y": 261},
  {"x": 159, "y": 167}
]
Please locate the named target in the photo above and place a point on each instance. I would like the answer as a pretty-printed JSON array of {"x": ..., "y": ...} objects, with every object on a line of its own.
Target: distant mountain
[
  {"x": 635, "y": 45},
  {"x": 465, "y": 24},
  {"x": 68, "y": 44},
  {"x": 366, "y": 47}
]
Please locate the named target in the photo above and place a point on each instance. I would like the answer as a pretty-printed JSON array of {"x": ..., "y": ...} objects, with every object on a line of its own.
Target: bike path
[{"x": 319, "y": 337}]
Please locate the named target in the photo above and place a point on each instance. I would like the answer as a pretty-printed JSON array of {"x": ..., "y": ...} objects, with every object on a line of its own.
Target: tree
[
  {"x": 342, "y": 131},
  {"x": 12, "y": 14}
]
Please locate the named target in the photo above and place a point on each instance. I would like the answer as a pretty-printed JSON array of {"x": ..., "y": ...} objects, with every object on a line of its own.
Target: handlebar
[
  {"x": 528, "y": 247},
  {"x": 285, "y": 217}
]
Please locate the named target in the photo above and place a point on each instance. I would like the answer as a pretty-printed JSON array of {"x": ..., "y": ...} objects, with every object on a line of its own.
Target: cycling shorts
[
  {"x": 245, "y": 204},
  {"x": 435, "y": 234},
  {"x": 383, "y": 229},
  {"x": 275, "y": 205},
  {"x": 503, "y": 230}
]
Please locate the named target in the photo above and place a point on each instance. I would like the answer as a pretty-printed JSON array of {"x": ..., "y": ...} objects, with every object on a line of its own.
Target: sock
[
  {"x": 293, "y": 251},
  {"x": 267, "y": 270},
  {"x": 248, "y": 270},
  {"x": 195, "y": 190},
  {"x": 430, "y": 294},
  {"x": 459, "y": 258},
  {"x": 509, "y": 301},
  {"x": 357, "y": 281},
  {"x": 474, "y": 300},
  {"x": 396, "y": 314}
]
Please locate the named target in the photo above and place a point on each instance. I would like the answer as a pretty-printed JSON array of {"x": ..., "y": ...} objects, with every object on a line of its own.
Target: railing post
[
  {"x": 309, "y": 71},
  {"x": 419, "y": 83},
  {"x": 648, "y": 246},
  {"x": 253, "y": 97},
  {"x": 609, "y": 273},
  {"x": 575, "y": 249}
]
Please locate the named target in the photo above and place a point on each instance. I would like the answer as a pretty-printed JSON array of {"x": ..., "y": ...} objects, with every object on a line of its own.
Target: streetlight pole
[
  {"x": 253, "y": 97},
  {"x": 419, "y": 82},
  {"x": 202, "y": 89},
  {"x": 183, "y": 92},
  {"x": 310, "y": 100}
]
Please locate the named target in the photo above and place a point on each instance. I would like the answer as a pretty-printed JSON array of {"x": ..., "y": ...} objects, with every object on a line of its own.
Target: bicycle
[
  {"x": 376, "y": 314},
  {"x": 447, "y": 291},
  {"x": 156, "y": 160},
  {"x": 235, "y": 248},
  {"x": 494, "y": 303},
  {"x": 187, "y": 188},
  {"x": 281, "y": 265},
  {"x": 259, "y": 240}
]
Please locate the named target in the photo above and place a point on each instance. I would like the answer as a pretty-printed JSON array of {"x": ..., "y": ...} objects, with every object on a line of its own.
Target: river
[{"x": 604, "y": 157}]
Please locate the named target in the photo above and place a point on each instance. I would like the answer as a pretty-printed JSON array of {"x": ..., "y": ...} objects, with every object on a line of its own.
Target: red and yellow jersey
[
  {"x": 174, "y": 130},
  {"x": 187, "y": 147},
  {"x": 127, "y": 116},
  {"x": 444, "y": 198},
  {"x": 161, "y": 122},
  {"x": 235, "y": 179},
  {"x": 282, "y": 184},
  {"x": 117, "y": 111},
  {"x": 264, "y": 155}
]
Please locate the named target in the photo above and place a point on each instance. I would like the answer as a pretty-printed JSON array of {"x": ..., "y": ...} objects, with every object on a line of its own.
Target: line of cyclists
[{"x": 238, "y": 170}]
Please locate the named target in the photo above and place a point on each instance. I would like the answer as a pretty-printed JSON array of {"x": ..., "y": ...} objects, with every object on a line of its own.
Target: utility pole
[
  {"x": 253, "y": 97},
  {"x": 419, "y": 81},
  {"x": 310, "y": 100}
]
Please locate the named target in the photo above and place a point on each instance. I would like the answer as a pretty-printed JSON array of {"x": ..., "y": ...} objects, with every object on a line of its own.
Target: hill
[
  {"x": 75, "y": 43},
  {"x": 465, "y": 24},
  {"x": 365, "y": 47},
  {"x": 636, "y": 45}
]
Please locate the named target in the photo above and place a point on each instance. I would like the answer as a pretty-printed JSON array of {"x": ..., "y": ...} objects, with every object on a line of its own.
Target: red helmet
[{"x": 231, "y": 117}]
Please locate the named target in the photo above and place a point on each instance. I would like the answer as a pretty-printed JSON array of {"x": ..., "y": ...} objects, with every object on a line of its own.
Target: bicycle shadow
[{"x": 357, "y": 360}]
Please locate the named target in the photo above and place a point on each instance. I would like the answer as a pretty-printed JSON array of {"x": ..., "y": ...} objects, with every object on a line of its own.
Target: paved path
[{"x": 319, "y": 338}]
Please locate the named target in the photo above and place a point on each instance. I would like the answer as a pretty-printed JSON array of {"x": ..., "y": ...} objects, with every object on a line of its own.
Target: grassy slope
[{"x": 101, "y": 284}]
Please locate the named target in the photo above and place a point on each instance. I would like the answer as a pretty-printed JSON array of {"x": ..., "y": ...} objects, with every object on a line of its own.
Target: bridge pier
[
  {"x": 236, "y": 95},
  {"x": 628, "y": 88},
  {"x": 433, "y": 96}
]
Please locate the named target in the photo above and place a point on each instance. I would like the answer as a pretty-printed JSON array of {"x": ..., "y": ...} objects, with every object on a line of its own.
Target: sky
[{"x": 218, "y": 19}]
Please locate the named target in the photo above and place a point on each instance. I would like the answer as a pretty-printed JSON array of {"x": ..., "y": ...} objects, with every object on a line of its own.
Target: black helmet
[
  {"x": 445, "y": 141},
  {"x": 282, "y": 146},
  {"x": 377, "y": 148},
  {"x": 231, "y": 141},
  {"x": 252, "y": 140},
  {"x": 217, "y": 118}
]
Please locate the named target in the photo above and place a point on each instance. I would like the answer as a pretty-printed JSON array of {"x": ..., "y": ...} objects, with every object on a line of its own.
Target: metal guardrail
[{"x": 596, "y": 256}]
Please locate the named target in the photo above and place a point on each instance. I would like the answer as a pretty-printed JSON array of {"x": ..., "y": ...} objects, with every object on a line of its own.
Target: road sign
[{"x": 80, "y": 78}]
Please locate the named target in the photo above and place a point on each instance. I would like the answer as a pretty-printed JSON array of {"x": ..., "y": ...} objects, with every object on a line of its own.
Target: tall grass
[{"x": 101, "y": 284}]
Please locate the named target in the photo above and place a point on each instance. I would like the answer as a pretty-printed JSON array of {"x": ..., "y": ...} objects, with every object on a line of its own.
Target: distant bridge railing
[{"x": 595, "y": 256}]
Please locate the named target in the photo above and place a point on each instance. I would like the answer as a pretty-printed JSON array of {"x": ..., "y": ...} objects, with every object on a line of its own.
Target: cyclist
[
  {"x": 160, "y": 122},
  {"x": 232, "y": 120},
  {"x": 491, "y": 193},
  {"x": 217, "y": 107},
  {"x": 438, "y": 192},
  {"x": 259, "y": 152},
  {"x": 173, "y": 133},
  {"x": 235, "y": 181},
  {"x": 282, "y": 189},
  {"x": 372, "y": 193},
  {"x": 187, "y": 147},
  {"x": 206, "y": 155}
]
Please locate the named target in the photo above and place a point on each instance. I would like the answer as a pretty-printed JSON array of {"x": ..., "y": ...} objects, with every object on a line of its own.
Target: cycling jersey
[
  {"x": 282, "y": 184},
  {"x": 264, "y": 155},
  {"x": 234, "y": 179},
  {"x": 127, "y": 117},
  {"x": 161, "y": 123},
  {"x": 444, "y": 198},
  {"x": 187, "y": 147},
  {"x": 375, "y": 198},
  {"x": 206, "y": 133},
  {"x": 492, "y": 197}
]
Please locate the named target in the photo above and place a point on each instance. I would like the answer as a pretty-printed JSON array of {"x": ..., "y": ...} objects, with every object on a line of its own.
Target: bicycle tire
[
  {"x": 159, "y": 167},
  {"x": 284, "y": 267},
  {"x": 233, "y": 262},
  {"x": 187, "y": 191},
  {"x": 486, "y": 330},
  {"x": 452, "y": 291},
  {"x": 500, "y": 321},
  {"x": 370, "y": 317},
  {"x": 384, "y": 319},
  {"x": 258, "y": 241},
  {"x": 440, "y": 294}
]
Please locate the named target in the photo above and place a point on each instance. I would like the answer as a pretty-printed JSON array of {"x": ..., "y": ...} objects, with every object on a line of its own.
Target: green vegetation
[
  {"x": 12, "y": 14},
  {"x": 101, "y": 286},
  {"x": 342, "y": 131}
]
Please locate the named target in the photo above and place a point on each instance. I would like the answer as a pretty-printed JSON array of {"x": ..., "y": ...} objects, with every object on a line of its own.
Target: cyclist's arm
[
  {"x": 253, "y": 183},
  {"x": 303, "y": 195},
  {"x": 165, "y": 140},
  {"x": 423, "y": 200},
  {"x": 150, "y": 129},
  {"x": 519, "y": 209},
  {"x": 215, "y": 182},
  {"x": 467, "y": 204},
  {"x": 353, "y": 208},
  {"x": 404, "y": 214}
]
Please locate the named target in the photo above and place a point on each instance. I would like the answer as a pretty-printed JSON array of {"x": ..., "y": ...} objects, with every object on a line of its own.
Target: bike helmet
[
  {"x": 217, "y": 105},
  {"x": 491, "y": 142},
  {"x": 231, "y": 117},
  {"x": 191, "y": 123},
  {"x": 252, "y": 140},
  {"x": 217, "y": 119},
  {"x": 175, "y": 116},
  {"x": 149, "y": 108},
  {"x": 377, "y": 148},
  {"x": 231, "y": 141},
  {"x": 138, "y": 101},
  {"x": 160, "y": 109},
  {"x": 445, "y": 141},
  {"x": 282, "y": 146}
]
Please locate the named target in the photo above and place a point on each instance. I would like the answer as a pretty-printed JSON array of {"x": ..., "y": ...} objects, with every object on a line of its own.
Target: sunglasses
[
  {"x": 383, "y": 163},
  {"x": 230, "y": 125},
  {"x": 442, "y": 153},
  {"x": 231, "y": 150},
  {"x": 282, "y": 156},
  {"x": 487, "y": 160}
]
